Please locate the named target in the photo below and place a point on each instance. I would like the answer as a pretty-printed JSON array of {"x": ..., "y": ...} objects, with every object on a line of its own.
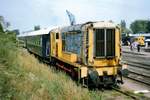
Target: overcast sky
[{"x": 25, "y": 14}]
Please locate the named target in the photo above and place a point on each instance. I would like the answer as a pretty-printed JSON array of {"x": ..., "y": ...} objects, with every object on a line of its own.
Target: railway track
[
  {"x": 140, "y": 75},
  {"x": 139, "y": 78},
  {"x": 126, "y": 93},
  {"x": 139, "y": 65}
]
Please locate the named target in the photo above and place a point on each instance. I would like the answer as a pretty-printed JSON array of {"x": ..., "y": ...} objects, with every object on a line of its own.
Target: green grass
[{"x": 22, "y": 77}]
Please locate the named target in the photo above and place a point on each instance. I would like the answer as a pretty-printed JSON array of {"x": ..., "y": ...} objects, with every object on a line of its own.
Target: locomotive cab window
[{"x": 71, "y": 42}]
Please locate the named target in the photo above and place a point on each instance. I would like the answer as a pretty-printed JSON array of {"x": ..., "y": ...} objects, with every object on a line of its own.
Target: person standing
[{"x": 138, "y": 47}]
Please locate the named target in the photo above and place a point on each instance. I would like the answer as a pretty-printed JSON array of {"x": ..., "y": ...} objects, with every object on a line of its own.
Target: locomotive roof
[
  {"x": 104, "y": 24},
  {"x": 78, "y": 27},
  {"x": 72, "y": 28}
]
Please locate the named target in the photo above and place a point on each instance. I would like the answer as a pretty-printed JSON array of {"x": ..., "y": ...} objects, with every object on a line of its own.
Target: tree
[
  {"x": 1, "y": 23},
  {"x": 123, "y": 26},
  {"x": 140, "y": 26},
  {"x": 148, "y": 26},
  {"x": 4, "y": 24},
  {"x": 1, "y": 28},
  {"x": 124, "y": 29}
]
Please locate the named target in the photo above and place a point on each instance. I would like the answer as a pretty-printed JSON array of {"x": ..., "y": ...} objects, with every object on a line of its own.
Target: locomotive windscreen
[{"x": 104, "y": 42}]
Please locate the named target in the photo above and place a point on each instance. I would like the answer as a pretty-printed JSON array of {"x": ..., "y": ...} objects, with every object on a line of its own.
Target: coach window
[{"x": 57, "y": 35}]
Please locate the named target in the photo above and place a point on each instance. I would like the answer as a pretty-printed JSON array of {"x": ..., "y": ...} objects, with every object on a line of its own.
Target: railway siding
[{"x": 138, "y": 65}]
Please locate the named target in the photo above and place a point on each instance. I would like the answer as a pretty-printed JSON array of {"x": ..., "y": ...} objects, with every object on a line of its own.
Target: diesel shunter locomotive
[{"x": 89, "y": 52}]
